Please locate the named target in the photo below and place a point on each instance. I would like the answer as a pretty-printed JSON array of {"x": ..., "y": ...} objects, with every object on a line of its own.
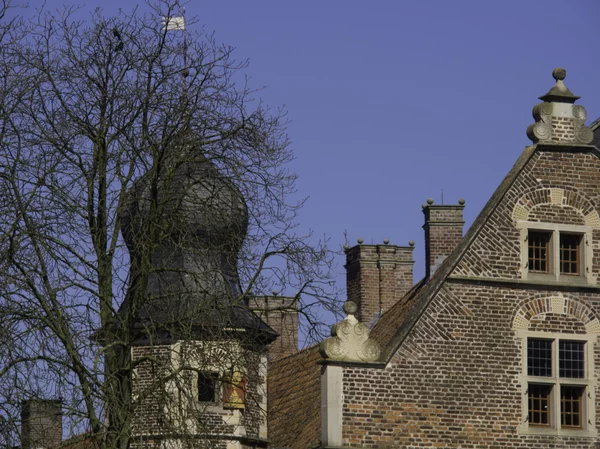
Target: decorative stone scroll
[
  {"x": 557, "y": 119},
  {"x": 349, "y": 341}
]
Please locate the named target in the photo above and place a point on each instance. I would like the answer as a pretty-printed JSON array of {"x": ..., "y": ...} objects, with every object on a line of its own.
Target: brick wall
[
  {"x": 455, "y": 381},
  {"x": 563, "y": 129}
]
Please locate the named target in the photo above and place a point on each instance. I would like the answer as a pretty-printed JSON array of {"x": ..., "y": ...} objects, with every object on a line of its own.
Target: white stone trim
[
  {"x": 557, "y": 196},
  {"x": 554, "y": 275},
  {"x": 332, "y": 404},
  {"x": 590, "y": 382},
  {"x": 560, "y": 305}
]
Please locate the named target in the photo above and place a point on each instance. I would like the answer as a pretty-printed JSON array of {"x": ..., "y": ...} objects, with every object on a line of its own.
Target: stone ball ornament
[
  {"x": 559, "y": 74},
  {"x": 350, "y": 307}
]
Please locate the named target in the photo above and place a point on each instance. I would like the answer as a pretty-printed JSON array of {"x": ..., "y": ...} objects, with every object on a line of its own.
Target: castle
[{"x": 495, "y": 347}]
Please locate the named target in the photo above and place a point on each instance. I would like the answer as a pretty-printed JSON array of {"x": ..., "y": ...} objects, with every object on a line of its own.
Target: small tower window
[{"x": 207, "y": 386}]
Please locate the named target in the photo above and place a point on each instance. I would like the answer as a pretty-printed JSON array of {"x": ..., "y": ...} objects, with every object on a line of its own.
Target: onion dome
[{"x": 200, "y": 219}]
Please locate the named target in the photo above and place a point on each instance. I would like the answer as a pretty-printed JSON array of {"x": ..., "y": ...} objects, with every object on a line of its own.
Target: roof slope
[
  {"x": 595, "y": 127},
  {"x": 395, "y": 325},
  {"x": 400, "y": 319},
  {"x": 295, "y": 400},
  {"x": 386, "y": 327}
]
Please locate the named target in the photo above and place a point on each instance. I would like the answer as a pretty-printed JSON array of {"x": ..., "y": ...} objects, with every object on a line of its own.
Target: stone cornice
[{"x": 520, "y": 283}]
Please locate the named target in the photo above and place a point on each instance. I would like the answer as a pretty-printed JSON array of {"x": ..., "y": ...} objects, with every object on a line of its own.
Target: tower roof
[{"x": 201, "y": 220}]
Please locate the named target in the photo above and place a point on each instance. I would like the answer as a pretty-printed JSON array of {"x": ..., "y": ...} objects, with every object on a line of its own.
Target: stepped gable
[{"x": 202, "y": 220}]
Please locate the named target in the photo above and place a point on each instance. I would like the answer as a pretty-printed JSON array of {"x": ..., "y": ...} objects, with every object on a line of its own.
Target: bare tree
[{"x": 145, "y": 199}]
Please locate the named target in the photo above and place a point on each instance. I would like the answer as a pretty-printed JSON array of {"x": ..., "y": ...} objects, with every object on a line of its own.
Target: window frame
[
  {"x": 549, "y": 259},
  {"x": 554, "y": 274},
  {"x": 216, "y": 386},
  {"x": 588, "y": 383},
  {"x": 579, "y": 251}
]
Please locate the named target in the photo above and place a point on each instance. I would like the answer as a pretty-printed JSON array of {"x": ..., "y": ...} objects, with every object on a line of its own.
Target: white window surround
[
  {"x": 589, "y": 381},
  {"x": 554, "y": 275}
]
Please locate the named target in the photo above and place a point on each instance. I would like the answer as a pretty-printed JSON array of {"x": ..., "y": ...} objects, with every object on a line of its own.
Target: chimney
[
  {"x": 377, "y": 276},
  {"x": 443, "y": 231},
  {"x": 281, "y": 314},
  {"x": 41, "y": 423}
]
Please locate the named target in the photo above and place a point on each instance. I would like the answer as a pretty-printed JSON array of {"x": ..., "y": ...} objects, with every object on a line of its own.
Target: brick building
[{"x": 496, "y": 346}]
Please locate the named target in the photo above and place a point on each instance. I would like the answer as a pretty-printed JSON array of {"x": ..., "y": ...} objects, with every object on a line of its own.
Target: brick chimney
[
  {"x": 41, "y": 423},
  {"x": 377, "y": 276},
  {"x": 281, "y": 314},
  {"x": 443, "y": 231}
]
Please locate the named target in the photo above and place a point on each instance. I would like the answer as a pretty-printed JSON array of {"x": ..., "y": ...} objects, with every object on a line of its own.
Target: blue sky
[{"x": 392, "y": 101}]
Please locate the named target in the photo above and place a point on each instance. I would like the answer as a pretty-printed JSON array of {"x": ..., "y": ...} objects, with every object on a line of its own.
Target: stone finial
[
  {"x": 559, "y": 92},
  {"x": 558, "y": 119},
  {"x": 349, "y": 341}
]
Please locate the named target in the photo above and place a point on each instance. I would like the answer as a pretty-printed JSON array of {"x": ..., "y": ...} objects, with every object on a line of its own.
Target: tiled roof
[
  {"x": 386, "y": 327},
  {"x": 295, "y": 400}
]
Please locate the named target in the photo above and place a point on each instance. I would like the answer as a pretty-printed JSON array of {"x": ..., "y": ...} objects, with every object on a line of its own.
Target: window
[
  {"x": 558, "y": 387},
  {"x": 570, "y": 254},
  {"x": 539, "y": 251},
  {"x": 541, "y": 254},
  {"x": 207, "y": 386},
  {"x": 557, "y": 253}
]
